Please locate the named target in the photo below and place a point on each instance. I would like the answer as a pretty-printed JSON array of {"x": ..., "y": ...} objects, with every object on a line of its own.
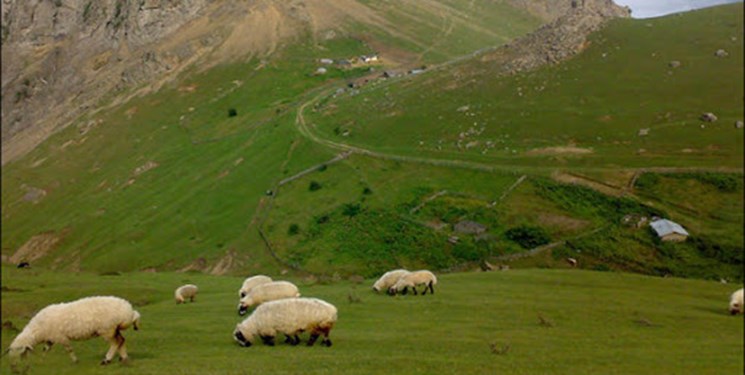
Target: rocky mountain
[{"x": 62, "y": 58}]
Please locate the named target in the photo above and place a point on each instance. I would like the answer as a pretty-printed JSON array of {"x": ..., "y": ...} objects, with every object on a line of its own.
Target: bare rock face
[{"x": 64, "y": 55}]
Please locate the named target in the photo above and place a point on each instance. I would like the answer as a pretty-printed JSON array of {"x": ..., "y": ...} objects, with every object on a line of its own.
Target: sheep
[
  {"x": 267, "y": 292},
  {"x": 251, "y": 282},
  {"x": 289, "y": 317},
  {"x": 388, "y": 279},
  {"x": 413, "y": 279},
  {"x": 736, "y": 303},
  {"x": 185, "y": 291},
  {"x": 79, "y": 320}
]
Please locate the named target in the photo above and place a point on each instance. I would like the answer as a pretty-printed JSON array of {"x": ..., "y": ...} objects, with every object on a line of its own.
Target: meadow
[{"x": 516, "y": 321}]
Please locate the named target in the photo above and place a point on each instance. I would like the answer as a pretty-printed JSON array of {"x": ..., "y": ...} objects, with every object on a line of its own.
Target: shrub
[
  {"x": 351, "y": 209},
  {"x": 232, "y": 112},
  {"x": 293, "y": 229},
  {"x": 528, "y": 236},
  {"x": 366, "y": 191},
  {"x": 314, "y": 185}
]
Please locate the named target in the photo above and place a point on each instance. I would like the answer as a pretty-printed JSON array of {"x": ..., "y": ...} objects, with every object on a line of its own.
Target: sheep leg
[
  {"x": 68, "y": 347},
  {"x": 432, "y": 287},
  {"x": 268, "y": 340},
  {"x": 47, "y": 346},
  {"x": 122, "y": 347},
  {"x": 113, "y": 347},
  {"x": 313, "y": 337},
  {"x": 414, "y": 289},
  {"x": 326, "y": 341}
]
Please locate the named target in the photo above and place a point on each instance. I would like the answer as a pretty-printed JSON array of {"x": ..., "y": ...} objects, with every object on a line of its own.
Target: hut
[{"x": 669, "y": 230}]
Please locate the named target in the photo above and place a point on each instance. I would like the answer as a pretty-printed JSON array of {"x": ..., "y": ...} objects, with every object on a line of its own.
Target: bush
[
  {"x": 314, "y": 185},
  {"x": 232, "y": 112},
  {"x": 351, "y": 209},
  {"x": 528, "y": 237},
  {"x": 366, "y": 191},
  {"x": 293, "y": 229}
]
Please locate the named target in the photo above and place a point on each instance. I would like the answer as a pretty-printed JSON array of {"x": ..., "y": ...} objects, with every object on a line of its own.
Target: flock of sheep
[{"x": 280, "y": 309}]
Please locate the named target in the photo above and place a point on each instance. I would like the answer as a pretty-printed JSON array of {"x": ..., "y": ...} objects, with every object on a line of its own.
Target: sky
[{"x": 656, "y": 8}]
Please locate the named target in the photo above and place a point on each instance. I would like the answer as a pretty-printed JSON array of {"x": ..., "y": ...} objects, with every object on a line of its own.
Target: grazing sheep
[
  {"x": 251, "y": 282},
  {"x": 186, "y": 291},
  {"x": 412, "y": 280},
  {"x": 79, "y": 320},
  {"x": 267, "y": 292},
  {"x": 388, "y": 279},
  {"x": 736, "y": 303},
  {"x": 290, "y": 317}
]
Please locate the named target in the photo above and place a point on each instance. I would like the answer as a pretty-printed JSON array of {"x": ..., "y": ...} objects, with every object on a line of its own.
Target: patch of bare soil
[
  {"x": 199, "y": 264},
  {"x": 559, "y": 150},
  {"x": 37, "y": 247},
  {"x": 568, "y": 178},
  {"x": 225, "y": 264},
  {"x": 565, "y": 223}
]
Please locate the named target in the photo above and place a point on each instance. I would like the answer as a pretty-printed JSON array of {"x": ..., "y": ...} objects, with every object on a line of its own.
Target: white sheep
[
  {"x": 736, "y": 303},
  {"x": 267, "y": 292},
  {"x": 289, "y": 317},
  {"x": 412, "y": 280},
  {"x": 388, "y": 280},
  {"x": 185, "y": 291},
  {"x": 79, "y": 320},
  {"x": 251, "y": 282}
]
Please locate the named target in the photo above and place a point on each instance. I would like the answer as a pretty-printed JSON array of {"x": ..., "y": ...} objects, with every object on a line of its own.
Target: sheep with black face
[
  {"x": 290, "y": 317},
  {"x": 79, "y": 320},
  {"x": 267, "y": 292}
]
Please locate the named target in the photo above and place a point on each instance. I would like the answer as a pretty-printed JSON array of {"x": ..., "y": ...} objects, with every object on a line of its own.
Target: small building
[
  {"x": 369, "y": 59},
  {"x": 469, "y": 227},
  {"x": 669, "y": 230}
]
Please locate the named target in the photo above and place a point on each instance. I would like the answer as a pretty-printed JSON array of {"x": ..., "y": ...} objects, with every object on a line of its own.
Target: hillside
[
  {"x": 219, "y": 174},
  {"x": 515, "y": 322},
  {"x": 73, "y": 56},
  {"x": 129, "y": 181}
]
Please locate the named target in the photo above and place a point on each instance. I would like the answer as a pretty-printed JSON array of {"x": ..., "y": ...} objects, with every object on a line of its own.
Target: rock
[
  {"x": 721, "y": 53},
  {"x": 674, "y": 64},
  {"x": 708, "y": 117},
  {"x": 321, "y": 70},
  {"x": 738, "y": 124},
  {"x": 643, "y": 132}
]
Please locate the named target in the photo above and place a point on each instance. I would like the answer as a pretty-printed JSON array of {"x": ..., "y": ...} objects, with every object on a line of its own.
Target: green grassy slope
[
  {"x": 597, "y": 102},
  {"x": 170, "y": 180},
  {"x": 542, "y": 321}
]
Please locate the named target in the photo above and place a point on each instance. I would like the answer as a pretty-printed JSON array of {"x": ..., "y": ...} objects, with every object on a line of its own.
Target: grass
[
  {"x": 597, "y": 101},
  {"x": 551, "y": 321}
]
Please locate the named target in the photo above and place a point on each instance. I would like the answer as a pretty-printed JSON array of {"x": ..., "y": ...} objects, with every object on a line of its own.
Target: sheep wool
[
  {"x": 388, "y": 279},
  {"x": 79, "y": 320},
  {"x": 736, "y": 302},
  {"x": 412, "y": 280},
  {"x": 267, "y": 292},
  {"x": 289, "y": 317},
  {"x": 252, "y": 282},
  {"x": 184, "y": 292}
]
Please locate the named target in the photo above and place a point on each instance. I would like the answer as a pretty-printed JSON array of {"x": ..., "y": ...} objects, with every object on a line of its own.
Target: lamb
[
  {"x": 414, "y": 279},
  {"x": 251, "y": 282},
  {"x": 290, "y": 317},
  {"x": 388, "y": 279},
  {"x": 267, "y": 292},
  {"x": 79, "y": 320},
  {"x": 186, "y": 291},
  {"x": 736, "y": 303}
]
